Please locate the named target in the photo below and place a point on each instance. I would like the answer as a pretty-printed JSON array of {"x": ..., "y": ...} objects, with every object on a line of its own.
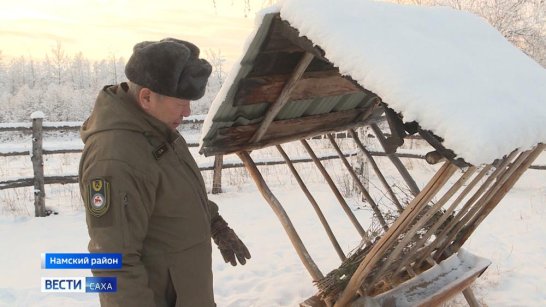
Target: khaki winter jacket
[{"x": 145, "y": 198}]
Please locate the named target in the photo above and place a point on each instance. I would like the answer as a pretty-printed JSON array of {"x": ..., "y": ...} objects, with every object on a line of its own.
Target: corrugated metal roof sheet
[{"x": 231, "y": 115}]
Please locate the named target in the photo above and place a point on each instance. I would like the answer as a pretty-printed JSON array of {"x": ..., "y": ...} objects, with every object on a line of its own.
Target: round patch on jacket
[{"x": 98, "y": 200}]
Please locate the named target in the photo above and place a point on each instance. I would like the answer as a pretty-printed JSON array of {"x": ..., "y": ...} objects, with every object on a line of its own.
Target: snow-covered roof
[{"x": 448, "y": 70}]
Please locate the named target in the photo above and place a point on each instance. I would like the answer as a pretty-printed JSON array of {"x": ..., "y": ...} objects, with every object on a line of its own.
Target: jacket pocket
[{"x": 124, "y": 220}]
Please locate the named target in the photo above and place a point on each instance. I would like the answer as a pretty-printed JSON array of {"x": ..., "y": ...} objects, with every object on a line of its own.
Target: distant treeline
[{"x": 65, "y": 86}]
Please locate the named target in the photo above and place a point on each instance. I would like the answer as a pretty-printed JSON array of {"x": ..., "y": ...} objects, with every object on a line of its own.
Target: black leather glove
[{"x": 228, "y": 242}]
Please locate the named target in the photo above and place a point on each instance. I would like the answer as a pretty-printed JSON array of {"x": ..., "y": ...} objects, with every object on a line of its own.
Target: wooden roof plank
[
  {"x": 311, "y": 85},
  {"x": 283, "y": 97},
  {"x": 232, "y": 139}
]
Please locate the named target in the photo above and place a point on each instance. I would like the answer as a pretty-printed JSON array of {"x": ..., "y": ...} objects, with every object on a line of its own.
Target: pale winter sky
[{"x": 100, "y": 28}]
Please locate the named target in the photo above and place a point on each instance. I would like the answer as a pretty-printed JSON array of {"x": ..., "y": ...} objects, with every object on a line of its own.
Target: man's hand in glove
[{"x": 228, "y": 242}]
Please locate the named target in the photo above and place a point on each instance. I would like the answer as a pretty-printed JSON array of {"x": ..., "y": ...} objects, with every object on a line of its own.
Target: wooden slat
[
  {"x": 28, "y": 182},
  {"x": 498, "y": 196},
  {"x": 376, "y": 169},
  {"x": 386, "y": 241},
  {"x": 312, "y": 85},
  {"x": 443, "y": 236},
  {"x": 500, "y": 179},
  {"x": 359, "y": 184},
  {"x": 409, "y": 235},
  {"x": 302, "y": 252},
  {"x": 413, "y": 254},
  {"x": 336, "y": 192},
  {"x": 314, "y": 203},
  {"x": 282, "y": 98}
]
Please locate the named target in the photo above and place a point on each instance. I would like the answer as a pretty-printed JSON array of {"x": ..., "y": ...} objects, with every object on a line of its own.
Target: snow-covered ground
[{"x": 512, "y": 238}]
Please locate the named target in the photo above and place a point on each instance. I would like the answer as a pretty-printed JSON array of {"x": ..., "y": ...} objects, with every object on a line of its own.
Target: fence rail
[{"x": 37, "y": 127}]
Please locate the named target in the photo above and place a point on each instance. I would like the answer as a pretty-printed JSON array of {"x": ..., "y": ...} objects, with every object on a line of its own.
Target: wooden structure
[{"x": 285, "y": 91}]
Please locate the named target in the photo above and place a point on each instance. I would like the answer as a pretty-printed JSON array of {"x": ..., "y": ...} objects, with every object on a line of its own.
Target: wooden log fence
[{"x": 37, "y": 151}]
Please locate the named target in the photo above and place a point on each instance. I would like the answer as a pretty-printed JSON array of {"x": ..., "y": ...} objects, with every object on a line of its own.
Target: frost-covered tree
[
  {"x": 522, "y": 22},
  {"x": 80, "y": 71},
  {"x": 57, "y": 60},
  {"x": 216, "y": 79}
]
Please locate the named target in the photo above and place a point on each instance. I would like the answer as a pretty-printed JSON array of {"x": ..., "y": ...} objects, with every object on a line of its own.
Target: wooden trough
[{"x": 286, "y": 91}]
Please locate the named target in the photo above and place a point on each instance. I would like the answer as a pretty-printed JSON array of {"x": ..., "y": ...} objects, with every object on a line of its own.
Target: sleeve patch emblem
[{"x": 98, "y": 200}]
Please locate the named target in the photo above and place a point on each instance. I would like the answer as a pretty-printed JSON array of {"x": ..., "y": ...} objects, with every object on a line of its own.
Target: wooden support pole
[
  {"x": 314, "y": 203},
  {"x": 386, "y": 241},
  {"x": 359, "y": 184},
  {"x": 217, "y": 174},
  {"x": 428, "y": 214},
  {"x": 376, "y": 169},
  {"x": 498, "y": 195},
  {"x": 470, "y": 297},
  {"x": 443, "y": 236},
  {"x": 502, "y": 175},
  {"x": 305, "y": 258},
  {"x": 336, "y": 192},
  {"x": 281, "y": 101},
  {"x": 413, "y": 253},
  {"x": 38, "y": 166},
  {"x": 396, "y": 161}
]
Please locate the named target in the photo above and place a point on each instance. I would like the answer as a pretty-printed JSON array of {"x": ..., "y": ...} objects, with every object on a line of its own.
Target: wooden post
[
  {"x": 308, "y": 262},
  {"x": 217, "y": 175},
  {"x": 38, "y": 164},
  {"x": 396, "y": 161}
]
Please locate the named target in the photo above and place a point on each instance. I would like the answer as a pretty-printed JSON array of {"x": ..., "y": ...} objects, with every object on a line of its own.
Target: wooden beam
[
  {"x": 281, "y": 101},
  {"x": 397, "y": 163},
  {"x": 233, "y": 139},
  {"x": 314, "y": 203},
  {"x": 437, "y": 144},
  {"x": 336, "y": 192},
  {"x": 312, "y": 85},
  {"x": 302, "y": 252}
]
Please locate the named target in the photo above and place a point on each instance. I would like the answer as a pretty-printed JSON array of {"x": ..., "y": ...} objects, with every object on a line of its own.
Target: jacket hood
[{"x": 116, "y": 109}]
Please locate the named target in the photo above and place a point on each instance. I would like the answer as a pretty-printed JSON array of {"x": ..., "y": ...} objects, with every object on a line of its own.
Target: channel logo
[{"x": 79, "y": 284}]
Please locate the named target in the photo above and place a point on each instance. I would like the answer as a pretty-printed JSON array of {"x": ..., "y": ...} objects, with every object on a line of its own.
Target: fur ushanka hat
[{"x": 170, "y": 67}]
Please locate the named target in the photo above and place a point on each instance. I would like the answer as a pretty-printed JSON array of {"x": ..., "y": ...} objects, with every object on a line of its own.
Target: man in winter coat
[{"x": 144, "y": 195}]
